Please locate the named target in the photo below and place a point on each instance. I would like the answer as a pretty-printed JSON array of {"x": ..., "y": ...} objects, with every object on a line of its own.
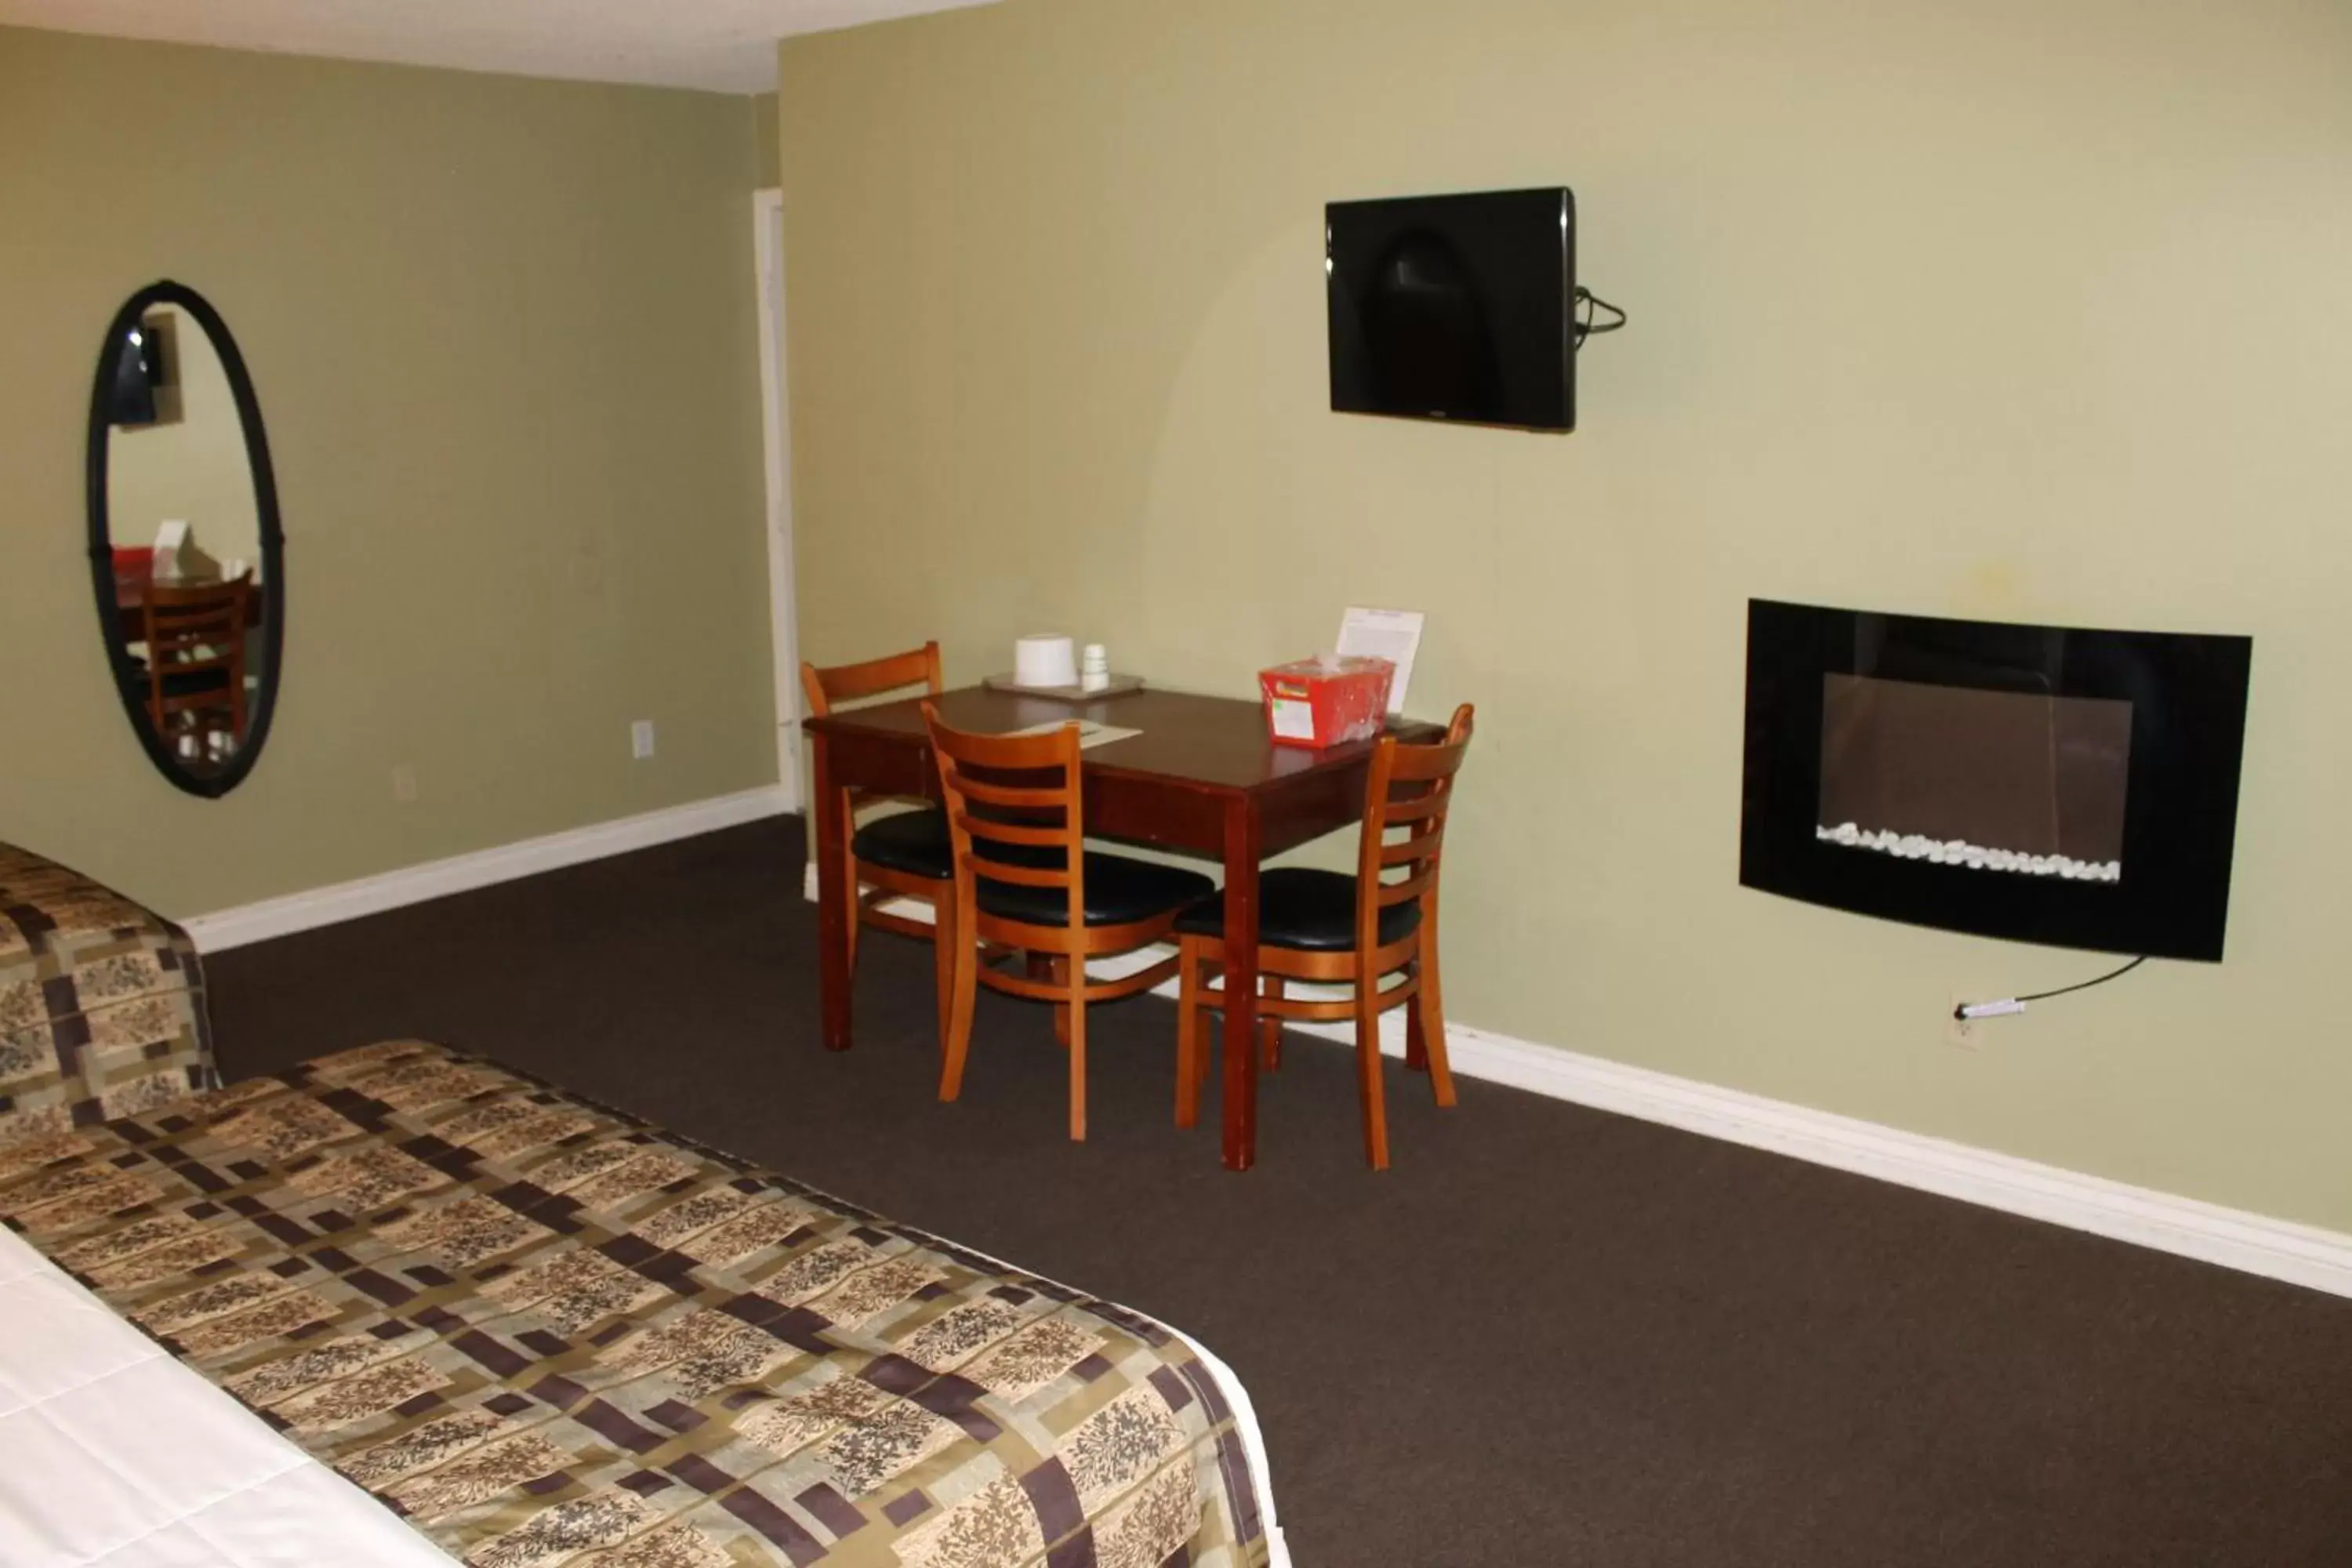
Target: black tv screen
[
  {"x": 1455, "y": 307},
  {"x": 141, "y": 368}
]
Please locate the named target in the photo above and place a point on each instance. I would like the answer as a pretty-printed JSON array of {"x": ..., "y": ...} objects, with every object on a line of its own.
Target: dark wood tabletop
[
  {"x": 1202, "y": 778},
  {"x": 1211, "y": 745},
  {"x": 1218, "y": 742}
]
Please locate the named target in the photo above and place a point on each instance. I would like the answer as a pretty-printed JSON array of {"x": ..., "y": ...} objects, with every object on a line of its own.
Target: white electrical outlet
[
  {"x": 641, "y": 738},
  {"x": 403, "y": 784},
  {"x": 1967, "y": 1033}
]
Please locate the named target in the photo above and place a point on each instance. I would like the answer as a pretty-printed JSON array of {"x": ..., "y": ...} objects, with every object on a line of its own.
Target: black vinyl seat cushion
[
  {"x": 915, "y": 842},
  {"x": 1312, "y": 911},
  {"x": 918, "y": 843},
  {"x": 1118, "y": 890}
]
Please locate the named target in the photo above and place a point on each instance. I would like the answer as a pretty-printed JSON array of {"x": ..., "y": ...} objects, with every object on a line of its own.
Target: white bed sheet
[
  {"x": 113, "y": 1455},
  {"x": 1252, "y": 1444}
]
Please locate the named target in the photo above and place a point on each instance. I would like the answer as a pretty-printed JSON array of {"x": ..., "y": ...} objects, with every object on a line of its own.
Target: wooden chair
[
  {"x": 905, "y": 855},
  {"x": 1025, "y": 883},
  {"x": 195, "y": 658},
  {"x": 1324, "y": 927}
]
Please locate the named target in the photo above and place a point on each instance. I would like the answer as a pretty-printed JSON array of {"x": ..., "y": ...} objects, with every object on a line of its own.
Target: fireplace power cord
[{"x": 2007, "y": 1005}]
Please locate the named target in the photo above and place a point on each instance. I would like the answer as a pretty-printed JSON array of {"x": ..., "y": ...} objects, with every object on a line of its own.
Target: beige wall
[
  {"x": 2019, "y": 311},
  {"x": 194, "y": 468},
  {"x": 502, "y": 332},
  {"x": 766, "y": 141}
]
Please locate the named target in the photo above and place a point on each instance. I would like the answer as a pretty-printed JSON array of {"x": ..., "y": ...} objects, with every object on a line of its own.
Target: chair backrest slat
[
  {"x": 1397, "y": 813},
  {"x": 1039, "y": 754},
  {"x": 1012, "y": 796},
  {"x": 853, "y": 682},
  {"x": 203, "y": 621},
  {"x": 1413, "y": 851},
  {"x": 990, "y": 829},
  {"x": 1029, "y": 795},
  {"x": 1411, "y": 788},
  {"x": 1411, "y": 888},
  {"x": 986, "y": 864},
  {"x": 1426, "y": 764}
]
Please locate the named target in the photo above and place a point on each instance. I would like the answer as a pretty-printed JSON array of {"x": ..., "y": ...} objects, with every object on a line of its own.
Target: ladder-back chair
[
  {"x": 904, "y": 855},
  {"x": 1026, "y": 884},
  {"x": 1329, "y": 928}
]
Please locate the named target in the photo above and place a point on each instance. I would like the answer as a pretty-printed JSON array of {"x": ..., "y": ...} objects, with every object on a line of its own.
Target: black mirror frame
[{"x": 273, "y": 539}]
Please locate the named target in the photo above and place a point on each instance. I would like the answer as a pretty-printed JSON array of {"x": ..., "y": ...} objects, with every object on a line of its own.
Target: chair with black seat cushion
[
  {"x": 1026, "y": 884},
  {"x": 905, "y": 855},
  {"x": 1327, "y": 928}
]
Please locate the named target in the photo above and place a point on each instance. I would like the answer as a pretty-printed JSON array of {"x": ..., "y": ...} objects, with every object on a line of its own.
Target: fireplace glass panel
[{"x": 2025, "y": 784}]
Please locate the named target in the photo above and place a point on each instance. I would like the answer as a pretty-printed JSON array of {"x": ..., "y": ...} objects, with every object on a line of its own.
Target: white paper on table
[
  {"x": 171, "y": 539},
  {"x": 1391, "y": 635},
  {"x": 1089, "y": 732}
]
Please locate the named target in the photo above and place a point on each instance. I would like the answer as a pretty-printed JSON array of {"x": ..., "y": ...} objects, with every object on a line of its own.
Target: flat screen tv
[
  {"x": 146, "y": 389},
  {"x": 1456, "y": 306}
]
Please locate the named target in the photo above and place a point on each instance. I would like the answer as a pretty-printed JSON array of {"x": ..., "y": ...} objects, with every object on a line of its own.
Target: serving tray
[{"x": 1120, "y": 684}]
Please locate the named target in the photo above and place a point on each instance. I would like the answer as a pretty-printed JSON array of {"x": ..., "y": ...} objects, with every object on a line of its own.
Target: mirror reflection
[{"x": 192, "y": 558}]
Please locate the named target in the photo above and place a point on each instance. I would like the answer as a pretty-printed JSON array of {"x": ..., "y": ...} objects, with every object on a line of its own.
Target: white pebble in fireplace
[{"x": 1973, "y": 857}]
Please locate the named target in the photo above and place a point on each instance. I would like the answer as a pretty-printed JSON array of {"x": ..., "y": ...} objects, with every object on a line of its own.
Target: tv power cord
[
  {"x": 1588, "y": 325},
  {"x": 2010, "y": 1006}
]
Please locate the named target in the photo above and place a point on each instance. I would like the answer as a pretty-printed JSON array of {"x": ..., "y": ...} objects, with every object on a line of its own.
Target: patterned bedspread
[
  {"x": 547, "y": 1333},
  {"x": 101, "y": 1003}
]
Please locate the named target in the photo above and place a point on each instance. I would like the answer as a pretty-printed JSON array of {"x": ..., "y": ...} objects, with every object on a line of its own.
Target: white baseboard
[
  {"x": 461, "y": 873},
  {"x": 2250, "y": 1242}
]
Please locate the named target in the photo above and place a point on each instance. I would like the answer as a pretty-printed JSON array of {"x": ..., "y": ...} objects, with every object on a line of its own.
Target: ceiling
[{"x": 721, "y": 46}]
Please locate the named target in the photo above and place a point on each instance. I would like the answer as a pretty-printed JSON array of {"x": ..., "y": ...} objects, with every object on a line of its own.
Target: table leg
[
  {"x": 833, "y": 932},
  {"x": 1243, "y": 839}
]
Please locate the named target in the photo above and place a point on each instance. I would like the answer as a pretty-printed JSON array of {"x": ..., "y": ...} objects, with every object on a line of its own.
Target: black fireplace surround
[{"x": 2049, "y": 784}]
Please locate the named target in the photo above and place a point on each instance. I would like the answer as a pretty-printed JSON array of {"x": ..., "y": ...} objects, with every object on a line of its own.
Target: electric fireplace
[{"x": 2047, "y": 784}]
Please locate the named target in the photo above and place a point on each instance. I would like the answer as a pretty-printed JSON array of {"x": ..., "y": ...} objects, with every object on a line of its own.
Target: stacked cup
[{"x": 1046, "y": 659}]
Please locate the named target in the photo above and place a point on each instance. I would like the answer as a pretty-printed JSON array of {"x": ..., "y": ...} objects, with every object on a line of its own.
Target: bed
[
  {"x": 101, "y": 1003},
  {"x": 268, "y": 1324}
]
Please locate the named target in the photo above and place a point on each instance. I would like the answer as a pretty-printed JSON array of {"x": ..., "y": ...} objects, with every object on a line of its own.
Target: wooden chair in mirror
[{"x": 194, "y": 637}]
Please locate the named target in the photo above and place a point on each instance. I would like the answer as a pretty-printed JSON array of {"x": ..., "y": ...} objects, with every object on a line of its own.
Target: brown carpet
[{"x": 1547, "y": 1336}]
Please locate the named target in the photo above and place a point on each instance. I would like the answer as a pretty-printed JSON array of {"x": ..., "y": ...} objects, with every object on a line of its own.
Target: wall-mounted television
[
  {"x": 1457, "y": 307},
  {"x": 146, "y": 387}
]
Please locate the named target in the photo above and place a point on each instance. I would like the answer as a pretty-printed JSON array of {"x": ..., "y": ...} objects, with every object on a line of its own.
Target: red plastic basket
[{"x": 1325, "y": 702}]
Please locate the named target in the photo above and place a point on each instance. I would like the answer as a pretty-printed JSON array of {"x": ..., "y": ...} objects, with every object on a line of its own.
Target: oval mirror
[{"x": 185, "y": 552}]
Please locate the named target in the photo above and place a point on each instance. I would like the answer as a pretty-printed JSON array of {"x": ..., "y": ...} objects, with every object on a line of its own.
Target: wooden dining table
[{"x": 1201, "y": 778}]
